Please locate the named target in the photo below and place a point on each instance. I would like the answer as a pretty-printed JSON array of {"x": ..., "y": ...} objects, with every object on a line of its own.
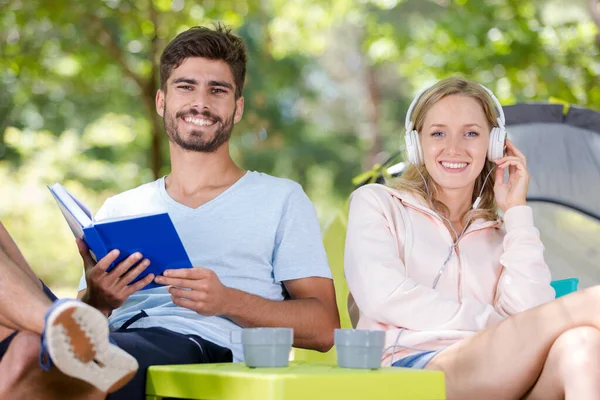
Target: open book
[{"x": 153, "y": 235}]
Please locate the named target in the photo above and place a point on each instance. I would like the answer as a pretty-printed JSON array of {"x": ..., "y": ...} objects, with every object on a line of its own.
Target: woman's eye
[
  {"x": 471, "y": 134},
  {"x": 437, "y": 134}
]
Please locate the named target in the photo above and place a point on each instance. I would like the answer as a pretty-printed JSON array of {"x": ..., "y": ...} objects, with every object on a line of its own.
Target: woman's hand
[{"x": 514, "y": 192}]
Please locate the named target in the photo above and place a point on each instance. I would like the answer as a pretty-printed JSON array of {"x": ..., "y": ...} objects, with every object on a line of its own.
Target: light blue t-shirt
[{"x": 260, "y": 232}]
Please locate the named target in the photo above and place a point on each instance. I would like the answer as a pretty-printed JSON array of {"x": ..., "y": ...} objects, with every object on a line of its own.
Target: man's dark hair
[{"x": 199, "y": 41}]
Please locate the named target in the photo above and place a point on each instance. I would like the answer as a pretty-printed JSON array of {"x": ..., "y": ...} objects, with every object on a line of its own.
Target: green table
[{"x": 299, "y": 381}]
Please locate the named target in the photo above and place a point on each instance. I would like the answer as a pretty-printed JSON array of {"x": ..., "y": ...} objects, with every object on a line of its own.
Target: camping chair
[{"x": 334, "y": 240}]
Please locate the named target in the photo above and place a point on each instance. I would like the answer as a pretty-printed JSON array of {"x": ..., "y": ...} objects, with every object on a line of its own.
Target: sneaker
[{"x": 76, "y": 341}]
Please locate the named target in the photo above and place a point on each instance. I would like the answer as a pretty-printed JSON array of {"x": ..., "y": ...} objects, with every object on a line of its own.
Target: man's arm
[{"x": 311, "y": 310}]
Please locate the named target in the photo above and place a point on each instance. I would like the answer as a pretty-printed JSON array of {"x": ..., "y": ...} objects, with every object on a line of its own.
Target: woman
[{"x": 457, "y": 289}]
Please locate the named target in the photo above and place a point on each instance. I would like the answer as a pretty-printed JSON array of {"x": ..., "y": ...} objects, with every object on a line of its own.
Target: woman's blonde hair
[{"x": 412, "y": 182}]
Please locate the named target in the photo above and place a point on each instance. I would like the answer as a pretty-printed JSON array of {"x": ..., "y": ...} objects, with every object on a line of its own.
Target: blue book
[{"x": 153, "y": 235}]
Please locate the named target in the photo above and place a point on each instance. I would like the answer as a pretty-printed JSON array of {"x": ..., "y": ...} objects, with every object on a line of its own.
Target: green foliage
[{"x": 327, "y": 88}]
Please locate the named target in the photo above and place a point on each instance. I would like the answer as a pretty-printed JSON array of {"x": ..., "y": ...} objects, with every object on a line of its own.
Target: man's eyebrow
[
  {"x": 221, "y": 84},
  {"x": 191, "y": 81}
]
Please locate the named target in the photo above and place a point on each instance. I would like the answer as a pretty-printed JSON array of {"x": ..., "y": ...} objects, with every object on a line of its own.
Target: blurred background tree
[{"x": 328, "y": 84}]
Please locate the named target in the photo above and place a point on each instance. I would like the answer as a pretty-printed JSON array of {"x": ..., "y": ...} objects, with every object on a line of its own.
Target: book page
[
  {"x": 106, "y": 220},
  {"x": 75, "y": 226},
  {"x": 69, "y": 207},
  {"x": 83, "y": 207}
]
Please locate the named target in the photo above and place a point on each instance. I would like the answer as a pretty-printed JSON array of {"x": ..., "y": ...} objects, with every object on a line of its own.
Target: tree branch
[
  {"x": 112, "y": 47},
  {"x": 149, "y": 92}
]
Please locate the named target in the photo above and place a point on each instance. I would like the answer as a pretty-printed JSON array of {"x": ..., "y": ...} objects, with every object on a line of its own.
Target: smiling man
[
  {"x": 207, "y": 120},
  {"x": 254, "y": 239}
]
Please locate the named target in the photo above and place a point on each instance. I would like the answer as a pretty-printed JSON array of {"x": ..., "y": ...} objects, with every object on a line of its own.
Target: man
[{"x": 254, "y": 239}]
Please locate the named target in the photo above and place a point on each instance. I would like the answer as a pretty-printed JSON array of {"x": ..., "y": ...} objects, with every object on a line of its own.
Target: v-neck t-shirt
[{"x": 257, "y": 234}]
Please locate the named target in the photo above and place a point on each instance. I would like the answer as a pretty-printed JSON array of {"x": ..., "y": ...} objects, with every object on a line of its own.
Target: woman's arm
[{"x": 525, "y": 280}]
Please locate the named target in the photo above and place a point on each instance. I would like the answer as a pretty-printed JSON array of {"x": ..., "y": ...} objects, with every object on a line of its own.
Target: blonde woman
[{"x": 456, "y": 287}]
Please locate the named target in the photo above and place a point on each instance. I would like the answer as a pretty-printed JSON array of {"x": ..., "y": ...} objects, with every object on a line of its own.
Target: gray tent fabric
[
  {"x": 563, "y": 153},
  {"x": 563, "y": 158},
  {"x": 571, "y": 241}
]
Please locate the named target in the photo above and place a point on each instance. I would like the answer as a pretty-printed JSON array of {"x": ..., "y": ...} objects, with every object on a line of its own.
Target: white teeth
[
  {"x": 199, "y": 121},
  {"x": 454, "y": 165}
]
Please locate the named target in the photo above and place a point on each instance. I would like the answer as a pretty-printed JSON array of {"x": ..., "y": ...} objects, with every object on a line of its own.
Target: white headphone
[{"x": 414, "y": 151}]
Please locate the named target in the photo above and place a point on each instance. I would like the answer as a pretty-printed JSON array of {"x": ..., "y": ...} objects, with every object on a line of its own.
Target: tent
[{"x": 562, "y": 146}]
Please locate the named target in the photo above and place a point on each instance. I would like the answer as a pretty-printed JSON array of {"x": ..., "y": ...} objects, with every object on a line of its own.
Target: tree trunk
[
  {"x": 148, "y": 87},
  {"x": 156, "y": 160},
  {"x": 373, "y": 116}
]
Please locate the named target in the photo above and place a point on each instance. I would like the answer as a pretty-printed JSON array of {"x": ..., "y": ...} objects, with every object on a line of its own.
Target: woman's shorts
[{"x": 418, "y": 360}]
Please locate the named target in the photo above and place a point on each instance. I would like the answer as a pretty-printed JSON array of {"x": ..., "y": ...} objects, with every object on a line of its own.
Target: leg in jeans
[{"x": 159, "y": 346}]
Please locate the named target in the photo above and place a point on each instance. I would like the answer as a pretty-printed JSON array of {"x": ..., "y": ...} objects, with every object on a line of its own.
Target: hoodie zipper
[
  {"x": 487, "y": 225},
  {"x": 460, "y": 271},
  {"x": 431, "y": 213},
  {"x": 457, "y": 250}
]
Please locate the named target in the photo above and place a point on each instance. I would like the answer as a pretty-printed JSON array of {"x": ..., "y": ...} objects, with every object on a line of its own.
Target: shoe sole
[{"x": 77, "y": 341}]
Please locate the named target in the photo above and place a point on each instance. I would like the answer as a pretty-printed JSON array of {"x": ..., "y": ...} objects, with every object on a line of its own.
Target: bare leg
[
  {"x": 11, "y": 260},
  {"x": 12, "y": 251},
  {"x": 22, "y": 301},
  {"x": 76, "y": 336},
  {"x": 572, "y": 367},
  {"x": 4, "y": 332},
  {"x": 505, "y": 360},
  {"x": 22, "y": 378}
]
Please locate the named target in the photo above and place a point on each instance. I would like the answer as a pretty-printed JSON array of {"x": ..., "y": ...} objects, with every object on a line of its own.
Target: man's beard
[{"x": 196, "y": 140}]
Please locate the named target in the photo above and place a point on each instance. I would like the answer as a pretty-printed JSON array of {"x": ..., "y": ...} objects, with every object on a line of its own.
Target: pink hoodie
[{"x": 494, "y": 271}]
